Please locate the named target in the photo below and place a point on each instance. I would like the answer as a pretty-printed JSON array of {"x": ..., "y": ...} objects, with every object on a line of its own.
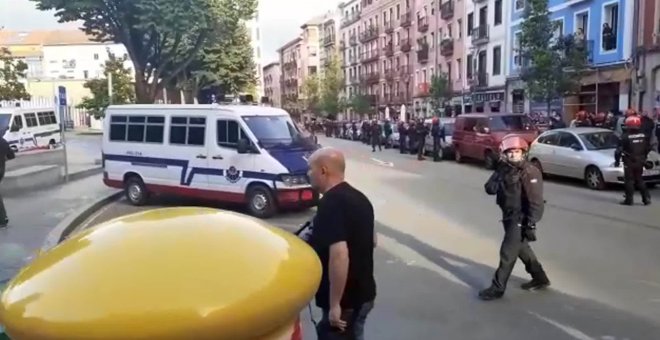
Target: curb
[
  {"x": 66, "y": 226},
  {"x": 84, "y": 173}
]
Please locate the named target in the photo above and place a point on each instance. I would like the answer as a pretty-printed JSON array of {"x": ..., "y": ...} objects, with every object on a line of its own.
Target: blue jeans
[{"x": 356, "y": 319}]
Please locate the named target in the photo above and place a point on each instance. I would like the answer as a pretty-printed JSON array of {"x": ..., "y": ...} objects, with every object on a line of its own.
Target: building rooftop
[
  {"x": 315, "y": 21},
  {"x": 289, "y": 44},
  {"x": 45, "y": 38},
  {"x": 269, "y": 65}
]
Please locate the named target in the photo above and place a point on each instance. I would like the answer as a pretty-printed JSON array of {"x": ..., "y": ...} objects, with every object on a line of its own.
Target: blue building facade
[{"x": 606, "y": 28}]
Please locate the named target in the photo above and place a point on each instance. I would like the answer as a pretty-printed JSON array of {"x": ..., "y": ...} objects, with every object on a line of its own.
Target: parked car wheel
[
  {"x": 260, "y": 201},
  {"x": 594, "y": 178},
  {"x": 490, "y": 160},
  {"x": 136, "y": 192}
]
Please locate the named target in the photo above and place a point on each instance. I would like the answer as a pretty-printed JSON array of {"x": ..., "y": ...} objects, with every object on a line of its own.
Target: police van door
[
  {"x": 223, "y": 155},
  {"x": 18, "y": 135}
]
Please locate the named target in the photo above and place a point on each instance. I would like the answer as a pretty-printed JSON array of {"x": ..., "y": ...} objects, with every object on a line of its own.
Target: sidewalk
[{"x": 34, "y": 214}]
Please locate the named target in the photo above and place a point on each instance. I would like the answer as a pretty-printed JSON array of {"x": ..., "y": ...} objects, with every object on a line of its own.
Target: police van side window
[
  {"x": 229, "y": 132},
  {"x": 46, "y": 118},
  {"x": 137, "y": 129},
  {"x": 187, "y": 130},
  {"x": 31, "y": 120}
]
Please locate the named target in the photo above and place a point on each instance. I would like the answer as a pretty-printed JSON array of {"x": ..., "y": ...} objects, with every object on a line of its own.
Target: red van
[{"x": 478, "y": 135}]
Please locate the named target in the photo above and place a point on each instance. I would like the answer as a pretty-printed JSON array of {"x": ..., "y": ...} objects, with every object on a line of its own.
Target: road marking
[
  {"x": 412, "y": 258},
  {"x": 383, "y": 163},
  {"x": 575, "y": 333}
]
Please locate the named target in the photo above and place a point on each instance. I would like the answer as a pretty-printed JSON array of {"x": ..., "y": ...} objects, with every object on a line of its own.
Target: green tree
[
  {"x": 360, "y": 104},
  {"x": 225, "y": 61},
  {"x": 311, "y": 93},
  {"x": 123, "y": 91},
  {"x": 331, "y": 87},
  {"x": 11, "y": 72},
  {"x": 551, "y": 66},
  {"x": 440, "y": 90},
  {"x": 159, "y": 35}
]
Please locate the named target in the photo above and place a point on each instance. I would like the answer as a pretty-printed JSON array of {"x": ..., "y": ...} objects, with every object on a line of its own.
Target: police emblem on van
[{"x": 232, "y": 174}]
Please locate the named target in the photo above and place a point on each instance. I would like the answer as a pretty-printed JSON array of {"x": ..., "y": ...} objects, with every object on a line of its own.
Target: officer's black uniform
[
  {"x": 387, "y": 128},
  {"x": 634, "y": 147},
  {"x": 519, "y": 190},
  {"x": 376, "y": 132},
  {"x": 438, "y": 134},
  {"x": 354, "y": 128},
  {"x": 412, "y": 137},
  {"x": 403, "y": 137},
  {"x": 421, "y": 131}
]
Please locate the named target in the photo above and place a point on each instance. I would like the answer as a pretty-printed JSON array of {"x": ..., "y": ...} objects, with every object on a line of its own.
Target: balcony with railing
[
  {"x": 482, "y": 1},
  {"x": 582, "y": 47},
  {"x": 447, "y": 10},
  {"x": 399, "y": 98},
  {"x": 389, "y": 27},
  {"x": 352, "y": 40},
  {"x": 369, "y": 34},
  {"x": 342, "y": 45},
  {"x": 372, "y": 99},
  {"x": 422, "y": 24},
  {"x": 353, "y": 79},
  {"x": 370, "y": 78},
  {"x": 349, "y": 20},
  {"x": 423, "y": 53},
  {"x": 404, "y": 71},
  {"x": 353, "y": 59},
  {"x": 291, "y": 82},
  {"x": 388, "y": 50},
  {"x": 329, "y": 40},
  {"x": 406, "y": 45},
  {"x": 480, "y": 35},
  {"x": 478, "y": 81},
  {"x": 406, "y": 19},
  {"x": 390, "y": 73},
  {"x": 447, "y": 47},
  {"x": 370, "y": 56},
  {"x": 290, "y": 64}
]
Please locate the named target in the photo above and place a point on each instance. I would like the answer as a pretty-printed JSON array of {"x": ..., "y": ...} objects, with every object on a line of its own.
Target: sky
[{"x": 280, "y": 20}]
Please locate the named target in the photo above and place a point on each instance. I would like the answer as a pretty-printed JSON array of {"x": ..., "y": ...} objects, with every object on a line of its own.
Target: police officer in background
[
  {"x": 421, "y": 131},
  {"x": 376, "y": 133},
  {"x": 519, "y": 188},
  {"x": 634, "y": 147},
  {"x": 438, "y": 135},
  {"x": 403, "y": 136}
]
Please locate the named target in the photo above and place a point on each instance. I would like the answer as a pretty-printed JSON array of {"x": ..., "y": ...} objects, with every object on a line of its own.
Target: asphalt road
[{"x": 439, "y": 236}]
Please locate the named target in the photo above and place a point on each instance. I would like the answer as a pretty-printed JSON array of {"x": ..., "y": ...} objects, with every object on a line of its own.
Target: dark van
[{"x": 478, "y": 135}]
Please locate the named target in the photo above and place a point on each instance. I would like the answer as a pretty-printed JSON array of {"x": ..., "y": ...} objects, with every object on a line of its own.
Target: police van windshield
[
  {"x": 5, "y": 119},
  {"x": 274, "y": 131}
]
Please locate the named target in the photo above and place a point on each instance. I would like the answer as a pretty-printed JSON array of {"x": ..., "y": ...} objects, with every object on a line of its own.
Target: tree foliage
[
  {"x": 123, "y": 91},
  {"x": 311, "y": 93},
  {"x": 331, "y": 87},
  {"x": 360, "y": 104},
  {"x": 551, "y": 66},
  {"x": 226, "y": 62},
  {"x": 159, "y": 35},
  {"x": 11, "y": 72},
  {"x": 440, "y": 90}
]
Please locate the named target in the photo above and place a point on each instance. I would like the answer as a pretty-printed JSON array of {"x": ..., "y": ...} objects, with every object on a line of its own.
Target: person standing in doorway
[
  {"x": 6, "y": 153},
  {"x": 342, "y": 234}
]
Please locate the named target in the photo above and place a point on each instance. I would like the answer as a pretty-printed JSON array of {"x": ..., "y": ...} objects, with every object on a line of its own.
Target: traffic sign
[{"x": 61, "y": 93}]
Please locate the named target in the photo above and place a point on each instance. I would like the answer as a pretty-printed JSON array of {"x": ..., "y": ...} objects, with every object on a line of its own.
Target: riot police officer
[
  {"x": 387, "y": 129},
  {"x": 438, "y": 135},
  {"x": 403, "y": 136},
  {"x": 634, "y": 147},
  {"x": 581, "y": 120},
  {"x": 421, "y": 131},
  {"x": 518, "y": 186},
  {"x": 376, "y": 133}
]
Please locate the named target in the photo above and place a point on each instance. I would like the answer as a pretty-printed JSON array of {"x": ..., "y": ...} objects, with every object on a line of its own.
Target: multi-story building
[
  {"x": 349, "y": 30},
  {"x": 605, "y": 28},
  {"x": 646, "y": 78},
  {"x": 255, "y": 40},
  {"x": 271, "y": 81},
  {"x": 329, "y": 46},
  {"x": 439, "y": 39},
  {"x": 485, "y": 53}
]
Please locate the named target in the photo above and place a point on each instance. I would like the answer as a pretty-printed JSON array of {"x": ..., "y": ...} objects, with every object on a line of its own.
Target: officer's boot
[
  {"x": 490, "y": 293},
  {"x": 627, "y": 200},
  {"x": 539, "y": 281},
  {"x": 646, "y": 199}
]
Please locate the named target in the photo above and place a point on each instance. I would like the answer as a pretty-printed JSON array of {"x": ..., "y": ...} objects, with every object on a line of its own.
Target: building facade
[
  {"x": 328, "y": 38},
  {"x": 290, "y": 79},
  {"x": 606, "y": 29},
  {"x": 646, "y": 78},
  {"x": 271, "y": 80},
  {"x": 255, "y": 40},
  {"x": 349, "y": 30}
]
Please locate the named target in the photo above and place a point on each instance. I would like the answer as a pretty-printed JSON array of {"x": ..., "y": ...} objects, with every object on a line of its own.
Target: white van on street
[
  {"x": 30, "y": 128},
  {"x": 246, "y": 154}
]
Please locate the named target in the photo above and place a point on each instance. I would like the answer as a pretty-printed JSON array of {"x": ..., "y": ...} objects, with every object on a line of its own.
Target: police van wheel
[
  {"x": 261, "y": 202},
  {"x": 457, "y": 156},
  {"x": 136, "y": 191},
  {"x": 52, "y": 144}
]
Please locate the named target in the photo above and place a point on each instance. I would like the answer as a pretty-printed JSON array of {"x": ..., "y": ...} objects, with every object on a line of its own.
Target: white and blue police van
[
  {"x": 252, "y": 155},
  {"x": 30, "y": 128}
]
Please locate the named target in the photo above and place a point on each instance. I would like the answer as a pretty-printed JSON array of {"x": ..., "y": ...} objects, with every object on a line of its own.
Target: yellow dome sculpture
[{"x": 175, "y": 273}]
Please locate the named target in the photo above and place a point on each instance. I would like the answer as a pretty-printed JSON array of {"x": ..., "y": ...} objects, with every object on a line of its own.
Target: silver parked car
[
  {"x": 446, "y": 147},
  {"x": 585, "y": 153}
]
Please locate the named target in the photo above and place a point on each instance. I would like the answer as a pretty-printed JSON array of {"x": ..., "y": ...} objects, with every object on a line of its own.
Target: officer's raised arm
[
  {"x": 533, "y": 186},
  {"x": 493, "y": 183}
]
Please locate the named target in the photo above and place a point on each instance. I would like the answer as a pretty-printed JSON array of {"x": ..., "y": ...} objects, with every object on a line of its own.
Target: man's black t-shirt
[{"x": 345, "y": 214}]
